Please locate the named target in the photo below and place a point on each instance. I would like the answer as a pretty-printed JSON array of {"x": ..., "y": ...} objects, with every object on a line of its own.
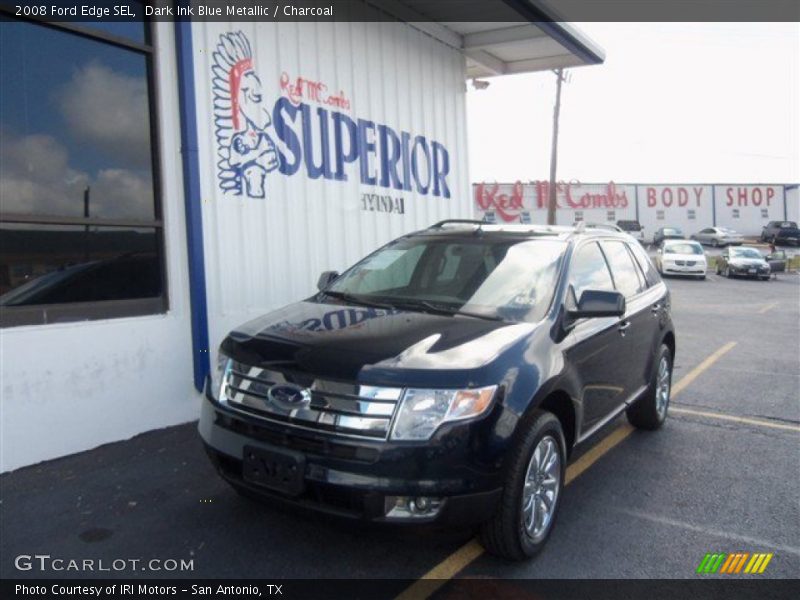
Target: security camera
[{"x": 480, "y": 84}]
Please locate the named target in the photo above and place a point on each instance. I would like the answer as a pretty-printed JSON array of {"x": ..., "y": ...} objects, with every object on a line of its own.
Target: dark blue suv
[{"x": 446, "y": 377}]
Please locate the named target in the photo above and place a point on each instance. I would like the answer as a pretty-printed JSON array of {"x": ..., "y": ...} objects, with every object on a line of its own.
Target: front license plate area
[
  {"x": 751, "y": 271},
  {"x": 277, "y": 470}
]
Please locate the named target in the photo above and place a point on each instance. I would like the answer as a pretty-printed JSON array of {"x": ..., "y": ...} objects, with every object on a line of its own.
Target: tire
[
  {"x": 715, "y": 243},
  {"x": 505, "y": 533},
  {"x": 764, "y": 278},
  {"x": 701, "y": 277},
  {"x": 650, "y": 411},
  {"x": 728, "y": 273},
  {"x": 719, "y": 272}
]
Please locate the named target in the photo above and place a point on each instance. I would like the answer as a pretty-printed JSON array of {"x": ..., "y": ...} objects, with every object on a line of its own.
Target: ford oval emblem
[{"x": 289, "y": 396}]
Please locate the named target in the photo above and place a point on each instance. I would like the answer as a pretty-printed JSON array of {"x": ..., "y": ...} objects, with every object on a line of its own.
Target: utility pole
[
  {"x": 551, "y": 189},
  {"x": 86, "y": 193}
]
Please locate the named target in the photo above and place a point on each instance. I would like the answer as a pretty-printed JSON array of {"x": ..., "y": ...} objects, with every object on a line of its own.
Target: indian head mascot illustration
[{"x": 245, "y": 151}]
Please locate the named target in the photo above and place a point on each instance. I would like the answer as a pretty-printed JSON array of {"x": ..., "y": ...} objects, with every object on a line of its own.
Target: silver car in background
[{"x": 718, "y": 236}]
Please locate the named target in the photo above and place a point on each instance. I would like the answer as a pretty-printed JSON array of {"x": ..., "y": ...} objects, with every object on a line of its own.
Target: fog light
[{"x": 419, "y": 507}]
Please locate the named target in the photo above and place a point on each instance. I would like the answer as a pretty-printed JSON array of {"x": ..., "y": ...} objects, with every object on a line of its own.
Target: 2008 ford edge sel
[{"x": 446, "y": 377}]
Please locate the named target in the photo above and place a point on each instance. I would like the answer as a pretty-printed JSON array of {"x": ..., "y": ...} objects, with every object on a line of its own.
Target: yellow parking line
[
  {"x": 695, "y": 373},
  {"x": 767, "y": 307},
  {"x": 431, "y": 581},
  {"x": 724, "y": 417}
]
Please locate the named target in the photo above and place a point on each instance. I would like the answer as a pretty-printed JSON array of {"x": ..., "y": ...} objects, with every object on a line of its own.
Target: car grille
[
  {"x": 343, "y": 408},
  {"x": 686, "y": 263}
]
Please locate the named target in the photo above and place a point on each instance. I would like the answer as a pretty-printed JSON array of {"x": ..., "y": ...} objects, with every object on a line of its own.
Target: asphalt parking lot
[{"x": 721, "y": 476}]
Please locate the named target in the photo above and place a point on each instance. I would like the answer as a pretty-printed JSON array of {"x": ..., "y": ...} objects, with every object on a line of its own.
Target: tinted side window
[
  {"x": 626, "y": 275},
  {"x": 589, "y": 271},
  {"x": 646, "y": 265}
]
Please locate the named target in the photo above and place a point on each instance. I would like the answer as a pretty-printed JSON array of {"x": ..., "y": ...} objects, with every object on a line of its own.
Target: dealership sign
[
  {"x": 308, "y": 131},
  {"x": 745, "y": 208},
  {"x": 513, "y": 202}
]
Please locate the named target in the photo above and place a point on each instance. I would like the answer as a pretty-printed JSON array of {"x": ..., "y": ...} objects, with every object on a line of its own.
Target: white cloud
[
  {"x": 35, "y": 177},
  {"x": 109, "y": 109}
]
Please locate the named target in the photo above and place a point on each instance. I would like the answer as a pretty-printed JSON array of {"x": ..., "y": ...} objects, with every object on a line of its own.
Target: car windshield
[
  {"x": 745, "y": 253},
  {"x": 629, "y": 225},
  {"x": 672, "y": 231},
  {"x": 499, "y": 278},
  {"x": 683, "y": 249},
  {"x": 726, "y": 230},
  {"x": 788, "y": 225}
]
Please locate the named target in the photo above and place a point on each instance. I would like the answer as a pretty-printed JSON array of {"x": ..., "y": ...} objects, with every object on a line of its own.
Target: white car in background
[{"x": 681, "y": 257}]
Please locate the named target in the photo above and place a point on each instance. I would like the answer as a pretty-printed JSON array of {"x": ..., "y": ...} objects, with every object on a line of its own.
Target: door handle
[{"x": 623, "y": 327}]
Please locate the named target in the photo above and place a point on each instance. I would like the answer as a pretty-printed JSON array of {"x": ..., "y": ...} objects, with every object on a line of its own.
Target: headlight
[
  {"x": 218, "y": 375},
  {"x": 423, "y": 411}
]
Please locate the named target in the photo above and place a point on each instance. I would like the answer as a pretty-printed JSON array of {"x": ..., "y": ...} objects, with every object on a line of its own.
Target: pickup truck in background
[{"x": 781, "y": 232}]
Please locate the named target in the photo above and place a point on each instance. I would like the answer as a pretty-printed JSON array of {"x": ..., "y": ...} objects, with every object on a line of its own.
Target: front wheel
[
  {"x": 728, "y": 273},
  {"x": 531, "y": 492},
  {"x": 650, "y": 411}
]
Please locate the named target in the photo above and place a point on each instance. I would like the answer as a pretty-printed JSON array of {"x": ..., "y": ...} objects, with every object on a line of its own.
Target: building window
[
  {"x": 735, "y": 213},
  {"x": 659, "y": 215},
  {"x": 765, "y": 213},
  {"x": 578, "y": 216},
  {"x": 611, "y": 216},
  {"x": 690, "y": 214},
  {"x": 81, "y": 235}
]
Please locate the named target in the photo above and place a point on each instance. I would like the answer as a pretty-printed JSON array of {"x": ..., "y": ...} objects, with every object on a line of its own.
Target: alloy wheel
[
  {"x": 541, "y": 488},
  {"x": 662, "y": 387}
]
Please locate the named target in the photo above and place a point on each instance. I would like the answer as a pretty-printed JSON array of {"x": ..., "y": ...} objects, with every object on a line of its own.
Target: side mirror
[
  {"x": 326, "y": 279},
  {"x": 597, "y": 303}
]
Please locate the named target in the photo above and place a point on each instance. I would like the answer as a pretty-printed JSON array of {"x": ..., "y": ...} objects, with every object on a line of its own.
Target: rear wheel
[
  {"x": 650, "y": 411},
  {"x": 531, "y": 492},
  {"x": 715, "y": 243}
]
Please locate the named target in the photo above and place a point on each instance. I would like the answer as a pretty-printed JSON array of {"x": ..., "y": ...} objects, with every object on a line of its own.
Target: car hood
[
  {"x": 355, "y": 343},
  {"x": 748, "y": 262}
]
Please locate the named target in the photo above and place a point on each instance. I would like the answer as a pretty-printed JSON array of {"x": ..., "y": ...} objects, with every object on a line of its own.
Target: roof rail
[{"x": 440, "y": 224}]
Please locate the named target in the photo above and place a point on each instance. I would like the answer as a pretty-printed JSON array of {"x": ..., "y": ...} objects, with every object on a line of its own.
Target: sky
[{"x": 673, "y": 103}]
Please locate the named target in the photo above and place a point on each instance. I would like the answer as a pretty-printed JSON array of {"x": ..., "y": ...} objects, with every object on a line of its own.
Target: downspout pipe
[{"x": 187, "y": 103}]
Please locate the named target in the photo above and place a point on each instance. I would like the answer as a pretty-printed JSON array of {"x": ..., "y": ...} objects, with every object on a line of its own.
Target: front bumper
[
  {"x": 360, "y": 479},
  {"x": 671, "y": 269},
  {"x": 748, "y": 272}
]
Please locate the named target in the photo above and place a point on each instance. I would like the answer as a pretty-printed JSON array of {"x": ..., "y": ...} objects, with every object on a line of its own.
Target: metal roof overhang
[{"x": 500, "y": 37}]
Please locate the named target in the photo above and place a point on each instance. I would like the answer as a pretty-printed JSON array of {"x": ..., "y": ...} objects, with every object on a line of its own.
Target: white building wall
[
  {"x": 689, "y": 207},
  {"x": 747, "y": 208},
  {"x": 73, "y": 386},
  {"x": 793, "y": 203},
  {"x": 265, "y": 252}
]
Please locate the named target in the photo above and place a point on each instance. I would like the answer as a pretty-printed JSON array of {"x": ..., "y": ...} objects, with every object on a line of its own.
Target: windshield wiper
[
  {"x": 356, "y": 300},
  {"x": 443, "y": 310}
]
